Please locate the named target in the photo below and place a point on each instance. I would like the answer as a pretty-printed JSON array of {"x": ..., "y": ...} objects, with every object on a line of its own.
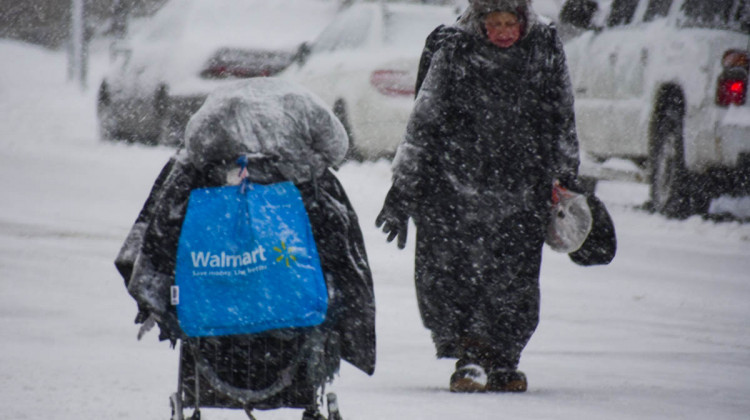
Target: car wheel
[
  {"x": 161, "y": 115},
  {"x": 104, "y": 115},
  {"x": 339, "y": 109},
  {"x": 674, "y": 192},
  {"x": 171, "y": 130}
]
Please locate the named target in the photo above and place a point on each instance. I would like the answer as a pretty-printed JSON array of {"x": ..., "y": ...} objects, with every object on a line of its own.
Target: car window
[
  {"x": 165, "y": 25},
  {"x": 409, "y": 28},
  {"x": 732, "y": 14},
  {"x": 622, "y": 12},
  {"x": 347, "y": 32},
  {"x": 656, "y": 9},
  {"x": 742, "y": 15}
]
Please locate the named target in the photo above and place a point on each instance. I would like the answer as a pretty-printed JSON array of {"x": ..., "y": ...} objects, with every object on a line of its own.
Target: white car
[
  {"x": 663, "y": 83},
  {"x": 165, "y": 69},
  {"x": 364, "y": 65}
]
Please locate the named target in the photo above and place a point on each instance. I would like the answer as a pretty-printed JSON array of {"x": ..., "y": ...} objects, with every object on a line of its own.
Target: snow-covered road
[{"x": 661, "y": 333}]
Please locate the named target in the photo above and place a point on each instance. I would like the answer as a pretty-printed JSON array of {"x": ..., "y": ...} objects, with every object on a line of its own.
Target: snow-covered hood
[
  {"x": 271, "y": 118},
  {"x": 472, "y": 20}
]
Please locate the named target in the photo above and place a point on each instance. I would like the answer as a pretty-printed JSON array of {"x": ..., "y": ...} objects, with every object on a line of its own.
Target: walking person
[{"x": 491, "y": 130}]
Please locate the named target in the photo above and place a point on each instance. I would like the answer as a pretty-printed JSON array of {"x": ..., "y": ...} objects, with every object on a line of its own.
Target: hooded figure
[{"x": 492, "y": 128}]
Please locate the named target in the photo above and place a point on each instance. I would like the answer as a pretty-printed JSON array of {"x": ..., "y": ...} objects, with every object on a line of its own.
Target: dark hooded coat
[
  {"x": 490, "y": 130},
  {"x": 292, "y": 136}
]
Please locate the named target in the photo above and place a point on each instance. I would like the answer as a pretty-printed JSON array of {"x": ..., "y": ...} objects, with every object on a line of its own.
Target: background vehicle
[
  {"x": 190, "y": 47},
  {"x": 364, "y": 66},
  {"x": 663, "y": 83}
]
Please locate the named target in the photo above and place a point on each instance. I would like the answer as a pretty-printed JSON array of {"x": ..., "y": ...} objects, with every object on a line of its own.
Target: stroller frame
[{"x": 195, "y": 369}]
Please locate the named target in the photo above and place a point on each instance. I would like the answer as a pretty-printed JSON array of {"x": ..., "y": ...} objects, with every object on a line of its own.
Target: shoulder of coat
[
  {"x": 543, "y": 34},
  {"x": 546, "y": 27},
  {"x": 441, "y": 35}
]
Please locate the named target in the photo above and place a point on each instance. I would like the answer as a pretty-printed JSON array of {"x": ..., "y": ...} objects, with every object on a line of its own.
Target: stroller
[
  {"x": 285, "y": 134},
  {"x": 226, "y": 372}
]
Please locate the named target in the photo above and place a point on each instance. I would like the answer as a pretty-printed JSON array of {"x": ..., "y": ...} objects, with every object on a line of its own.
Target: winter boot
[
  {"x": 506, "y": 380},
  {"x": 468, "y": 378},
  {"x": 333, "y": 407},
  {"x": 312, "y": 413}
]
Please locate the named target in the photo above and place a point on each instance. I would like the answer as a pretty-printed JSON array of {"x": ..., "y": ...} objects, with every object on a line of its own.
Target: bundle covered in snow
[{"x": 284, "y": 123}]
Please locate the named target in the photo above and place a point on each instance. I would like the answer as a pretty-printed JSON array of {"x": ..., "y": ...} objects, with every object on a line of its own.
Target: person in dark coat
[{"x": 491, "y": 130}]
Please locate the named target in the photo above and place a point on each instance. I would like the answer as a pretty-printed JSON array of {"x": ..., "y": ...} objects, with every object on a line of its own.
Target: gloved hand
[
  {"x": 575, "y": 184},
  {"x": 394, "y": 217}
]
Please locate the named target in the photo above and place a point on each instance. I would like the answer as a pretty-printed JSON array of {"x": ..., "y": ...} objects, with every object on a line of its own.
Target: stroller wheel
[
  {"x": 333, "y": 407},
  {"x": 248, "y": 411},
  {"x": 312, "y": 414},
  {"x": 176, "y": 404}
]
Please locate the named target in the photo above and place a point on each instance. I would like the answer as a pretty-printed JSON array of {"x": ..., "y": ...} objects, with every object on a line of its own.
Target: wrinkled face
[{"x": 503, "y": 28}]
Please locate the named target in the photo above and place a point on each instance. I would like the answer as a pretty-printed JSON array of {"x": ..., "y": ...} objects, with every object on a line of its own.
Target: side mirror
[
  {"x": 579, "y": 13},
  {"x": 303, "y": 52}
]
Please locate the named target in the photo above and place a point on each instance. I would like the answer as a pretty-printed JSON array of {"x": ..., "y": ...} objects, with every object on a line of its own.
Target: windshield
[
  {"x": 409, "y": 28},
  {"x": 348, "y": 31},
  {"x": 722, "y": 14}
]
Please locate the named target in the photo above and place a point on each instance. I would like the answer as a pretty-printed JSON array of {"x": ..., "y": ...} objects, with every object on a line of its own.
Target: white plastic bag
[{"x": 570, "y": 220}]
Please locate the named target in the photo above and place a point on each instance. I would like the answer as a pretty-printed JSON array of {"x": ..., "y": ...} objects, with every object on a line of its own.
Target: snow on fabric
[{"x": 273, "y": 118}]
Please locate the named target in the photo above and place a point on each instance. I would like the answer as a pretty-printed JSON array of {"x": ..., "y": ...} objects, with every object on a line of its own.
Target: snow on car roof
[
  {"x": 233, "y": 23},
  {"x": 413, "y": 23},
  {"x": 403, "y": 26},
  {"x": 182, "y": 35}
]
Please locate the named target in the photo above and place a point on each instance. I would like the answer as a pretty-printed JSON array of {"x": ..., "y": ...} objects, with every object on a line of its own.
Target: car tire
[
  {"x": 161, "y": 116},
  {"x": 674, "y": 191},
  {"x": 104, "y": 113},
  {"x": 171, "y": 131},
  {"x": 339, "y": 110}
]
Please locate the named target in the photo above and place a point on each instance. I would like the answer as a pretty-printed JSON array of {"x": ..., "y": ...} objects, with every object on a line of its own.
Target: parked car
[
  {"x": 663, "y": 83},
  {"x": 190, "y": 47},
  {"x": 364, "y": 66}
]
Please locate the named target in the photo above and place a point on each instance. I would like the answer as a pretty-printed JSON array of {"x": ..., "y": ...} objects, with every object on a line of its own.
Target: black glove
[
  {"x": 575, "y": 183},
  {"x": 394, "y": 217}
]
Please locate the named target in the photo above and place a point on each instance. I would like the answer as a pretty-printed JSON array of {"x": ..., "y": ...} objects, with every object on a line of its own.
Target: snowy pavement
[{"x": 661, "y": 333}]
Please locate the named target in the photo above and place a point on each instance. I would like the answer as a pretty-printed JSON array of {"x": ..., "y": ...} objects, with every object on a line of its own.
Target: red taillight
[
  {"x": 731, "y": 92},
  {"x": 732, "y": 83},
  {"x": 393, "y": 82}
]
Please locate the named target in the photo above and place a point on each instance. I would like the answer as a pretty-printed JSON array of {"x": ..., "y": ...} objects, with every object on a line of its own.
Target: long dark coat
[{"x": 490, "y": 130}]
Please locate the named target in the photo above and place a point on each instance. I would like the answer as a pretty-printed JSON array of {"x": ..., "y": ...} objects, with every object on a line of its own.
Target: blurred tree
[{"x": 47, "y": 22}]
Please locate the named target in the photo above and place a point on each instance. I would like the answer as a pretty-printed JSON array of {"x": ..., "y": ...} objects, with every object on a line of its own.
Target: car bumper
[
  {"x": 380, "y": 126},
  {"x": 733, "y": 133},
  {"x": 721, "y": 151},
  {"x": 733, "y": 136},
  {"x": 717, "y": 138},
  {"x": 132, "y": 119}
]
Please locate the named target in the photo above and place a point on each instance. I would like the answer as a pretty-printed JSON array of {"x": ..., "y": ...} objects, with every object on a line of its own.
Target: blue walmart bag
[{"x": 247, "y": 262}]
